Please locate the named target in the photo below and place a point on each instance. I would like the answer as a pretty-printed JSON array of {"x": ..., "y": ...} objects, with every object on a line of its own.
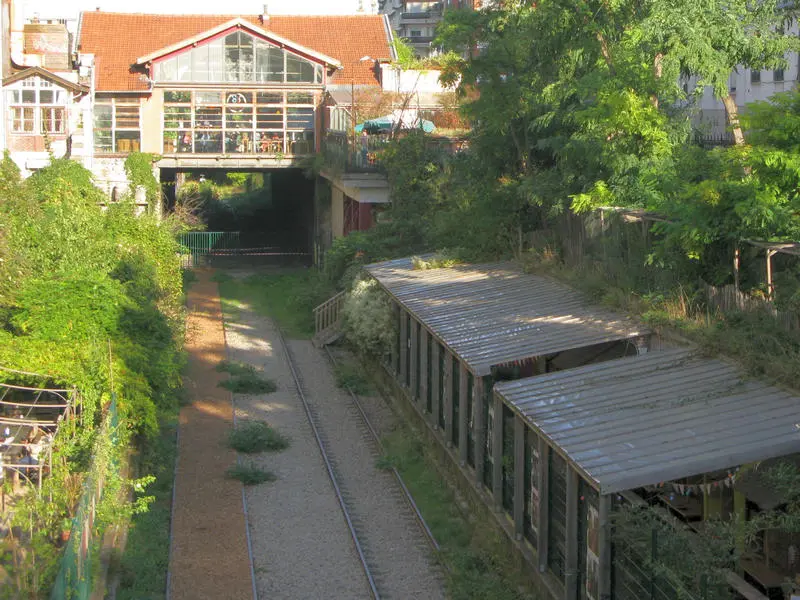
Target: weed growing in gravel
[
  {"x": 352, "y": 377},
  {"x": 249, "y": 474},
  {"x": 257, "y": 436},
  {"x": 244, "y": 379}
]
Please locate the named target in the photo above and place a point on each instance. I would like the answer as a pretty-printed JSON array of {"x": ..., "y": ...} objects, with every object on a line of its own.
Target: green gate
[{"x": 197, "y": 245}]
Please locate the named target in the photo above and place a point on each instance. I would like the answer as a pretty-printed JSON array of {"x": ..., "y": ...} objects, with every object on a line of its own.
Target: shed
[
  {"x": 461, "y": 328},
  {"x": 602, "y": 429}
]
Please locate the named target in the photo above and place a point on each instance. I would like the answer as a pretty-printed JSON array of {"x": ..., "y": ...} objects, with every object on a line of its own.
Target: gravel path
[
  {"x": 396, "y": 550},
  {"x": 300, "y": 542},
  {"x": 301, "y": 545},
  {"x": 208, "y": 554}
]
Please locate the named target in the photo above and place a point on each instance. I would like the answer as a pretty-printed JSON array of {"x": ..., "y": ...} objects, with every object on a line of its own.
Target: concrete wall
[
  {"x": 152, "y": 108},
  {"x": 337, "y": 212}
]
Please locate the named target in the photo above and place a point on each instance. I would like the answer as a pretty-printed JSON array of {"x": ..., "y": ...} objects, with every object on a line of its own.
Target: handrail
[{"x": 327, "y": 314}]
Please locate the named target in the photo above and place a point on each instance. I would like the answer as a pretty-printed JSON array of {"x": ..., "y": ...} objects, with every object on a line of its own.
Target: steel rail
[
  {"x": 328, "y": 466},
  {"x": 406, "y": 493}
]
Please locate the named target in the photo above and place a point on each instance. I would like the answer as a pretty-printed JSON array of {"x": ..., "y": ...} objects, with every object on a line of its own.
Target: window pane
[
  {"x": 275, "y": 67},
  {"x": 246, "y": 60},
  {"x": 127, "y": 141},
  {"x": 298, "y": 70},
  {"x": 232, "y": 57},
  {"x": 239, "y": 118},
  {"x": 239, "y": 98},
  {"x": 269, "y": 98},
  {"x": 29, "y": 96},
  {"x": 209, "y": 142},
  {"x": 208, "y": 118},
  {"x": 167, "y": 70},
  {"x": 184, "y": 67},
  {"x": 53, "y": 120},
  {"x": 176, "y": 117},
  {"x": 269, "y": 118},
  {"x": 127, "y": 116},
  {"x": 102, "y": 116},
  {"x": 300, "y": 118},
  {"x": 177, "y": 96},
  {"x": 262, "y": 61},
  {"x": 208, "y": 97},
  {"x": 14, "y": 97},
  {"x": 300, "y": 98},
  {"x": 216, "y": 61},
  {"x": 46, "y": 96},
  {"x": 199, "y": 63},
  {"x": 102, "y": 141}
]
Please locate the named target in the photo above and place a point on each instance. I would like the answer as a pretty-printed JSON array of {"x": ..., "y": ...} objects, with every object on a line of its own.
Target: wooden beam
[
  {"x": 414, "y": 366},
  {"x": 544, "y": 507},
  {"x": 448, "y": 399},
  {"x": 463, "y": 422},
  {"x": 604, "y": 541},
  {"x": 403, "y": 347},
  {"x": 423, "y": 369},
  {"x": 436, "y": 375},
  {"x": 519, "y": 477},
  {"x": 479, "y": 433},
  {"x": 571, "y": 570},
  {"x": 497, "y": 452}
]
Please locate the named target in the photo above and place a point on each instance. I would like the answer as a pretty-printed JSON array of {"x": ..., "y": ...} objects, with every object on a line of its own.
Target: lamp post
[{"x": 353, "y": 98}]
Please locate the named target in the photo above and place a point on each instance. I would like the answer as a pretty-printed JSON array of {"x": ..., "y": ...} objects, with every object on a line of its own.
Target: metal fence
[
  {"x": 197, "y": 245},
  {"x": 80, "y": 562}
]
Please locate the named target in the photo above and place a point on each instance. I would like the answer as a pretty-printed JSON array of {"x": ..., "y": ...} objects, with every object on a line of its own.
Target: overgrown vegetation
[
  {"x": 367, "y": 318},
  {"x": 479, "y": 565},
  {"x": 91, "y": 299},
  {"x": 252, "y": 437},
  {"x": 244, "y": 379},
  {"x": 351, "y": 375},
  {"x": 249, "y": 474}
]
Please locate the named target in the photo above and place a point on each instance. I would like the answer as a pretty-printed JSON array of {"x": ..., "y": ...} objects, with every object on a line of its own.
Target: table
[{"x": 762, "y": 573}]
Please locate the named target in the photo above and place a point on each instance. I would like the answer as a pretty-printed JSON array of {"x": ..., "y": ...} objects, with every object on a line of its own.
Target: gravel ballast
[{"x": 301, "y": 544}]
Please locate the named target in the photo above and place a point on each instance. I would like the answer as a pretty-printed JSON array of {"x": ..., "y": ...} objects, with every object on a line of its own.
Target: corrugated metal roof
[
  {"x": 492, "y": 314},
  {"x": 639, "y": 421}
]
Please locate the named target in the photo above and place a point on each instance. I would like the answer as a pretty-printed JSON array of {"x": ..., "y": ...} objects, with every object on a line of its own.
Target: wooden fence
[{"x": 728, "y": 299}]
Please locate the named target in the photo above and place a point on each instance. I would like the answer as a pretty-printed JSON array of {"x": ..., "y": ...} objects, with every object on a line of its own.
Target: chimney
[{"x": 264, "y": 16}]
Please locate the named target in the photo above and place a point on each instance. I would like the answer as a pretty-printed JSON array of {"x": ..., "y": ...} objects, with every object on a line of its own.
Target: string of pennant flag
[{"x": 693, "y": 489}]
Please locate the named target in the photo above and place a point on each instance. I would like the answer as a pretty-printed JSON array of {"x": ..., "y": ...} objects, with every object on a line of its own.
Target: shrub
[
  {"x": 257, "y": 436},
  {"x": 367, "y": 318},
  {"x": 244, "y": 379},
  {"x": 249, "y": 474}
]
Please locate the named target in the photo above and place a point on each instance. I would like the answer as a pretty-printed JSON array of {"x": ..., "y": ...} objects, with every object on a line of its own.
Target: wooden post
[
  {"x": 397, "y": 312},
  {"x": 604, "y": 541},
  {"x": 737, "y": 264},
  {"x": 770, "y": 284},
  {"x": 519, "y": 477},
  {"x": 414, "y": 362},
  {"x": 403, "y": 347},
  {"x": 571, "y": 570},
  {"x": 544, "y": 505},
  {"x": 435, "y": 389},
  {"x": 423, "y": 368},
  {"x": 497, "y": 452},
  {"x": 463, "y": 422},
  {"x": 447, "y": 388},
  {"x": 480, "y": 433}
]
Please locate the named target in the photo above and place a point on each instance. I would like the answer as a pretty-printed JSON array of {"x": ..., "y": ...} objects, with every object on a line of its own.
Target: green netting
[{"x": 80, "y": 562}]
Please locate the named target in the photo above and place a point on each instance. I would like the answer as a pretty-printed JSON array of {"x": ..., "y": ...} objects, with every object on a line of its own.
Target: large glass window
[
  {"x": 238, "y": 57},
  {"x": 116, "y": 125},
  {"x": 238, "y": 121},
  {"x": 37, "y": 107}
]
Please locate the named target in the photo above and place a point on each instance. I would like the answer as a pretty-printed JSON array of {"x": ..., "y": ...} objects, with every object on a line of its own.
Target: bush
[
  {"x": 367, "y": 318},
  {"x": 244, "y": 379},
  {"x": 256, "y": 436},
  {"x": 249, "y": 474}
]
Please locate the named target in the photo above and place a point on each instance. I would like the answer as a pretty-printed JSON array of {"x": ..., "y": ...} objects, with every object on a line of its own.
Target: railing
[
  {"x": 419, "y": 39},
  {"x": 197, "y": 244},
  {"x": 327, "y": 316},
  {"x": 340, "y": 156}
]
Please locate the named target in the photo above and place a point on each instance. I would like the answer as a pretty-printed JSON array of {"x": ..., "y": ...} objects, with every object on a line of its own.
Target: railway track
[{"x": 374, "y": 530}]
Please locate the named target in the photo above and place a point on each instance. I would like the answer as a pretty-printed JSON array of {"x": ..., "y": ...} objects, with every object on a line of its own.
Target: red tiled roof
[{"x": 118, "y": 39}]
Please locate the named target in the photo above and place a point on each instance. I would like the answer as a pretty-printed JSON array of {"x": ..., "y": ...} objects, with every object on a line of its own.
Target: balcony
[
  {"x": 434, "y": 12},
  {"x": 341, "y": 158},
  {"x": 416, "y": 40}
]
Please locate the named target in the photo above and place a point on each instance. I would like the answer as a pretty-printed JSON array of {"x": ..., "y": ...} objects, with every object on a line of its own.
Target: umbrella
[{"x": 386, "y": 123}]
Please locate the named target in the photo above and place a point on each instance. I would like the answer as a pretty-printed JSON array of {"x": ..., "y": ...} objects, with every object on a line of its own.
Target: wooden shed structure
[
  {"x": 461, "y": 328},
  {"x": 578, "y": 440}
]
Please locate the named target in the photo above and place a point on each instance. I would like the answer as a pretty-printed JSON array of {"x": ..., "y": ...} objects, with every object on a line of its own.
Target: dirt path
[{"x": 208, "y": 556}]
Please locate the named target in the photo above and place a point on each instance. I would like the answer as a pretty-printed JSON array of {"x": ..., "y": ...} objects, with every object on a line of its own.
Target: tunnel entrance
[{"x": 250, "y": 217}]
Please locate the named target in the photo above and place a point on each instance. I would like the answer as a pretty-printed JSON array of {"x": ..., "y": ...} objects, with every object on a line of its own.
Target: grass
[
  {"x": 288, "y": 297},
  {"x": 256, "y": 436},
  {"x": 475, "y": 553},
  {"x": 249, "y": 474},
  {"x": 142, "y": 568},
  {"x": 754, "y": 340},
  {"x": 352, "y": 376},
  {"x": 244, "y": 379}
]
